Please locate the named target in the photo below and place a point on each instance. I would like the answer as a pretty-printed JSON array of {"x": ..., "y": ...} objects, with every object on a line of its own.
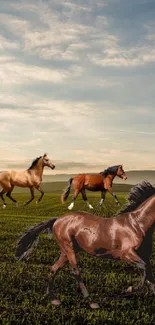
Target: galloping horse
[
  {"x": 94, "y": 182},
  {"x": 128, "y": 237},
  {"x": 31, "y": 177}
]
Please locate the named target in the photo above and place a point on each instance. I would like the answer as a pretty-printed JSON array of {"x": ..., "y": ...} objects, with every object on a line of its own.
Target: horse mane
[
  {"x": 137, "y": 195},
  {"x": 34, "y": 162},
  {"x": 109, "y": 170}
]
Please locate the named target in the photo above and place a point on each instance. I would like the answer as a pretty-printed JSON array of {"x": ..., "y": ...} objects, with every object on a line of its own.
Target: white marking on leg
[
  {"x": 89, "y": 205},
  {"x": 70, "y": 207},
  {"x": 101, "y": 202},
  {"x": 4, "y": 206}
]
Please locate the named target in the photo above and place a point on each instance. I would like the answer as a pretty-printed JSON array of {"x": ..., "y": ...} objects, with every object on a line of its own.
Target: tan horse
[{"x": 31, "y": 177}]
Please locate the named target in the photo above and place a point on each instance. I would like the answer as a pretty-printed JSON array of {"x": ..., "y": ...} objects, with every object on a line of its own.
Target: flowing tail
[
  {"x": 66, "y": 192},
  {"x": 30, "y": 238}
]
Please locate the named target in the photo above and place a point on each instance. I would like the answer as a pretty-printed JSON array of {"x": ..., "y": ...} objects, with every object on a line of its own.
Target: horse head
[
  {"x": 47, "y": 162},
  {"x": 121, "y": 173}
]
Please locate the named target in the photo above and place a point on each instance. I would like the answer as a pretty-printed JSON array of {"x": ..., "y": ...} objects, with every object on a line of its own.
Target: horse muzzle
[{"x": 52, "y": 166}]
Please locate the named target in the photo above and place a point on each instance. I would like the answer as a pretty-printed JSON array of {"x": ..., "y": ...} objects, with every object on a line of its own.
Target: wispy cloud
[{"x": 77, "y": 80}]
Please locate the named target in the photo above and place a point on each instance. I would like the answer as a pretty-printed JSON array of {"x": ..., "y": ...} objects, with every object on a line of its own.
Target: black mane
[
  {"x": 110, "y": 170},
  {"x": 137, "y": 195},
  {"x": 34, "y": 162}
]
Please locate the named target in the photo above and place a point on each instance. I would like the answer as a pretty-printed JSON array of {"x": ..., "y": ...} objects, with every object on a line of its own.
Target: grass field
[{"x": 23, "y": 298}]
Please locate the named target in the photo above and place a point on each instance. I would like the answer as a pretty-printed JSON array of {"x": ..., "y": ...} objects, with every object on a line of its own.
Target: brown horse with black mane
[
  {"x": 31, "y": 177},
  {"x": 127, "y": 237},
  {"x": 94, "y": 182}
]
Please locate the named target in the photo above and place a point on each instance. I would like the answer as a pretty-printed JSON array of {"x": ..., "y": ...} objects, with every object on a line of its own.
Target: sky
[{"x": 77, "y": 81}]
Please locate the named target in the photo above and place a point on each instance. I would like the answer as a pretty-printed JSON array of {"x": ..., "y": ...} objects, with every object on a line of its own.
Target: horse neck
[
  {"x": 38, "y": 169},
  {"x": 145, "y": 215},
  {"x": 111, "y": 177}
]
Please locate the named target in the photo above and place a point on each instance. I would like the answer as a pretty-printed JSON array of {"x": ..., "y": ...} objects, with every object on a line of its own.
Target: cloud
[
  {"x": 77, "y": 81},
  {"x": 17, "y": 73},
  {"x": 5, "y": 44}
]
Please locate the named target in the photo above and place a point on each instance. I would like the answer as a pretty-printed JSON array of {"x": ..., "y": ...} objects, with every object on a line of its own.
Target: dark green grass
[{"x": 23, "y": 298}]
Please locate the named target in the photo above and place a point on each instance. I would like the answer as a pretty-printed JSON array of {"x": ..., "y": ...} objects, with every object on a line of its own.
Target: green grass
[{"x": 23, "y": 298}]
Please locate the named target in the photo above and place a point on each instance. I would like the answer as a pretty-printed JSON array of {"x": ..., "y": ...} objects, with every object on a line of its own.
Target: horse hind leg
[
  {"x": 8, "y": 194},
  {"x": 72, "y": 260},
  {"x": 85, "y": 199},
  {"x": 1, "y": 195},
  {"x": 53, "y": 272},
  {"x": 76, "y": 192}
]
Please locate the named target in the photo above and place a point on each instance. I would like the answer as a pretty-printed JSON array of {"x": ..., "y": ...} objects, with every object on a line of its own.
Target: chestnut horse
[
  {"x": 94, "y": 182},
  {"x": 31, "y": 177},
  {"x": 127, "y": 237}
]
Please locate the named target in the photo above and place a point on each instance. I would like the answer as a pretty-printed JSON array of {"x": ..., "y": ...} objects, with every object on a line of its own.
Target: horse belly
[
  {"x": 94, "y": 188},
  {"x": 94, "y": 183}
]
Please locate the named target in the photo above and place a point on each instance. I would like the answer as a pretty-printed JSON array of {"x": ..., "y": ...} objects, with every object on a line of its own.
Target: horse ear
[
  {"x": 45, "y": 154},
  {"x": 121, "y": 166}
]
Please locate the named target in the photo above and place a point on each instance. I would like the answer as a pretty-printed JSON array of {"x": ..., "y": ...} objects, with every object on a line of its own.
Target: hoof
[
  {"x": 37, "y": 202},
  {"x": 90, "y": 206},
  {"x": 129, "y": 290},
  {"x": 70, "y": 206},
  {"x": 56, "y": 302},
  {"x": 16, "y": 204},
  {"x": 94, "y": 305},
  {"x": 4, "y": 206}
]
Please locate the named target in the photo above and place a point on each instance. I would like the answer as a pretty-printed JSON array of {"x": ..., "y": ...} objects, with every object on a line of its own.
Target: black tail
[
  {"x": 30, "y": 238},
  {"x": 66, "y": 192}
]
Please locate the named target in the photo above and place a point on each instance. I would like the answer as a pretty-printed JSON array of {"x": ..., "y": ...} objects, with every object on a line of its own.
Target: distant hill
[
  {"x": 134, "y": 177},
  {"x": 58, "y": 187}
]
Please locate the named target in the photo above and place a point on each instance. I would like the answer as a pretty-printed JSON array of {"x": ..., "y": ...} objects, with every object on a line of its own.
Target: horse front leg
[
  {"x": 147, "y": 277},
  {"x": 32, "y": 196},
  {"x": 85, "y": 199},
  {"x": 103, "y": 193},
  {"x": 109, "y": 189},
  {"x": 42, "y": 193}
]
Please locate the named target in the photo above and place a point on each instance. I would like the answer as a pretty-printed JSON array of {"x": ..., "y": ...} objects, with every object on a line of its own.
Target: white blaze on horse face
[{"x": 70, "y": 207}]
